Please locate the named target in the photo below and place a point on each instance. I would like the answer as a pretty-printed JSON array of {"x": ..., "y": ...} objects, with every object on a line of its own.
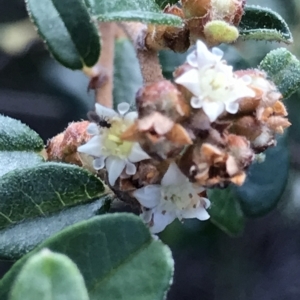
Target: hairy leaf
[
  {"x": 18, "y": 240},
  {"x": 265, "y": 181},
  {"x": 120, "y": 259},
  {"x": 284, "y": 69},
  {"x": 264, "y": 24},
  {"x": 163, "y": 3},
  {"x": 146, "y": 11},
  {"x": 127, "y": 74},
  {"x": 16, "y": 136},
  {"x": 68, "y": 31},
  {"x": 225, "y": 211},
  {"x": 11, "y": 160},
  {"x": 49, "y": 276},
  {"x": 44, "y": 189}
]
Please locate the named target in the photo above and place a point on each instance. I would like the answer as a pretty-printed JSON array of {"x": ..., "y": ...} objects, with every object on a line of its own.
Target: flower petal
[
  {"x": 217, "y": 52},
  {"x": 92, "y": 129},
  {"x": 148, "y": 196},
  {"x": 213, "y": 109},
  {"x": 130, "y": 168},
  {"x": 199, "y": 212},
  {"x": 196, "y": 102},
  {"x": 205, "y": 57},
  {"x": 146, "y": 215},
  {"x": 232, "y": 107},
  {"x": 137, "y": 153},
  {"x": 99, "y": 163},
  {"x": 161, "y": 221},
  {"x": 190, "y": 80},
  {"x": 123, "y": 108},
  {"x": 192, "y": 59},
  {"x": 131, "y": 116},
  {"x": 92, "y": 147},
  {"x": 103, "y": 111},
  {"x": 173, "y": 176},
  {"x": 114, "y": 166}
]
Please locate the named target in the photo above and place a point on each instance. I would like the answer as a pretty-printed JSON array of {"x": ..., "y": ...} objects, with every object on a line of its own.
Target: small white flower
[
  {"x": 176, "y": 197},
  {"x": 106, "y": 146},
  {"x": 214, "y": 85}
]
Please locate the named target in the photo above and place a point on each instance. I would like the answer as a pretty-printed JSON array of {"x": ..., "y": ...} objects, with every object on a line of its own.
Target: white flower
[
  {"x": 214, "y": 85},
  {"x": 176, "y": 197},
  {"x": 106, "y": 146}
]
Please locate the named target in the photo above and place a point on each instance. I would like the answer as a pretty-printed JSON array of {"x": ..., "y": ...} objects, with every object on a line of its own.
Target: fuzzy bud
[
  {"x": 162, "y": 97},
  {"x": 63, "y": 147}
]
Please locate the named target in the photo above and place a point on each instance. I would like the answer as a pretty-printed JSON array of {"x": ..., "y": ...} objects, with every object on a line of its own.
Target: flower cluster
[{"x": 203, "y": 131}]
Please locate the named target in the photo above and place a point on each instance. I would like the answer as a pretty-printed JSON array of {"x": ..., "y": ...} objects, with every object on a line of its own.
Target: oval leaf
[
  {"x": 68, "y": 31},
  {"x": 16, "y": 136},
  {"x": 18, "y": 240},
  {"x": 44, "y": 189},
  {"x": 225, "y": 211},
  {"x": 116, "y": 255},
  {"x": 284, "y": 69},
  {"x": 11, "y": 160},
  {"x": 126, "y": 62},
  {"x": 50, "y": 276},
  {"x": 265, "y": 181},
  {"x": 146, "y": 11},
  {"x": 261, "y": 23}
]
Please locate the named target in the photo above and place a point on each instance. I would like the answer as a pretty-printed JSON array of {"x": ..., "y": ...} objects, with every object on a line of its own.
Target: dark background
[{"x": 263, "y": 264}]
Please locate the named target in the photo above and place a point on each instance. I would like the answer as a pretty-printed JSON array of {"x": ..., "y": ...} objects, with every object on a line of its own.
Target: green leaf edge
[
  {"x": 250, "y": 34},
  {"x": 142, "y": 16},
  {"x": 80, "y": 64}
]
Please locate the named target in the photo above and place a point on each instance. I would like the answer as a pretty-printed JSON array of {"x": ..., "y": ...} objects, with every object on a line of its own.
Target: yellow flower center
[
  {"x": 215, "y": 86},
  {"x": 112, "y": 142}
]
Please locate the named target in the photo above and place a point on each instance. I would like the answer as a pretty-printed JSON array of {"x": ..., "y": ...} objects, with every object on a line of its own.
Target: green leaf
[
  {"x": 125, "y": 63},
  {"x": 261, "y": 23},
  {"x": 225, "y": 211},
  {"x": 163, "y": 3},
  {"x": 16, "y": 136},
  {"x": 11, "y": 160},
  {"x": 265, "y": 181},
  {"x": 170, "y": 61},
  {"x": 44, "y": 189},
  {"x": 284, "y": 69},
  {"x": 18, "y": 240},
  {"x": 146, "y": 11},
  {"x": 116, "y": 255},
  {"x": 49, "y": 276},
  {"x": 68, "y": 31}
]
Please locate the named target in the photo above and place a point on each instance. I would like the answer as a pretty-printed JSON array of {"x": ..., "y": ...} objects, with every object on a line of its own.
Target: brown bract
[
  {"x": 211, "y": 165},
  {"x": 158, "y": 135},
  {"x": 261, "y": 117}
]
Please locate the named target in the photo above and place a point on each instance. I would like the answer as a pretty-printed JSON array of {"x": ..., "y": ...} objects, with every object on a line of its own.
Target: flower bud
[
  {"x": 162, "y": 97},
  {"x": 217, "y": 32},
  {"x": 63, "y": 147},
  {"x": 195, "y": 8}
]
